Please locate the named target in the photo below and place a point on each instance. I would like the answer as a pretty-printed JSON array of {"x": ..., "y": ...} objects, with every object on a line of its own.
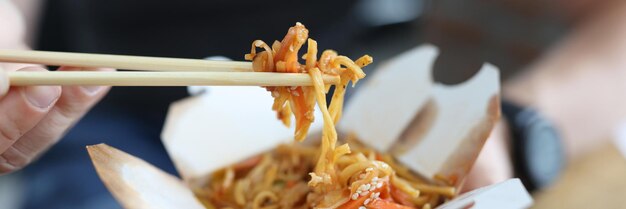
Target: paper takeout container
[{"x": 225, "y": 125}]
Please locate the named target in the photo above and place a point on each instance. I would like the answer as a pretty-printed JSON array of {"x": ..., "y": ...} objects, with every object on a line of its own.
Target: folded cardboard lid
[
  {"x": 465, "y": 115},
  {"x": 384, "y": 106},
  {"x": 429, "y": 127},
  {"x": 507, "y": 194},
  {"x": 137, "y": 184}
]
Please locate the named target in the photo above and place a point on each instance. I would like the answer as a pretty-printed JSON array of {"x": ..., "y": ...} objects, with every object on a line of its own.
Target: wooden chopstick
[
  {"x": 90, "y": 78},
  {"x": 122, "y": 61},
  {"x": 211, "y": 73}
]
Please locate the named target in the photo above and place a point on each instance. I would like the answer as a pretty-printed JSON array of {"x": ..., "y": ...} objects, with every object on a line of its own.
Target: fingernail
[
  {"x": 91, "y": 90},
  {"x": 42, "y": 96}
]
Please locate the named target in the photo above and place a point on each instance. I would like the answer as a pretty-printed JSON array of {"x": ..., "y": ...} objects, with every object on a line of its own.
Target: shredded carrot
[
  {"x": 401, "y": 197},
  {"x": 385, "y": 195},
  {"x": 354, "y": 204},
  {"x": 386, "y": 204},
  {"x": 385, "y": 192},
  {"x": 379, "y": 157}
]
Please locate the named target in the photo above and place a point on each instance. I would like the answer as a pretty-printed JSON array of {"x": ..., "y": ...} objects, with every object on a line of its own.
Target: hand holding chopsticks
[{"x": 181, "y": 72}]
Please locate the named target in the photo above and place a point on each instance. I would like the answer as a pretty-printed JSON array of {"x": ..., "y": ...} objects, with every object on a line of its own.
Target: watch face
[{"x": 542, "y": 151}]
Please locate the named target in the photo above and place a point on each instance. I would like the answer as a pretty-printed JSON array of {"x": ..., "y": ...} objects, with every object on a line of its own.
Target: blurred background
[{"x": 565, "y": 58}]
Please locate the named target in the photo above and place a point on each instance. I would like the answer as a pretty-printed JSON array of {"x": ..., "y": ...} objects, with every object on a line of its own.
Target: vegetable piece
[
  {"x": 400, "y": 197},
  {"x": 354, "y": 204},
  {"x": 385, "y": 204}
]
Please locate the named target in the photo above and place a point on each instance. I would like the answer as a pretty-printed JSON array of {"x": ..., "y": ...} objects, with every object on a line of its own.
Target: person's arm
[
  {"x": 33, "y": 118},
  {"x": 579, "y": 86}
]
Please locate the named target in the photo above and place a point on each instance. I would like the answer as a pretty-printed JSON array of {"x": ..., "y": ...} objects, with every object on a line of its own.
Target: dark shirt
[{"x": 183, "y": 28}]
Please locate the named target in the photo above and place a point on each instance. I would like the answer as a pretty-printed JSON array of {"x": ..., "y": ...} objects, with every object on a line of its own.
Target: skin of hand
[{"x": 33, "y": 118}]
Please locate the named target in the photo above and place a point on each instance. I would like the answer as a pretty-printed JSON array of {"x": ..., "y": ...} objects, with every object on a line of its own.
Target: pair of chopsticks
[{"x": 161, "y": 71}]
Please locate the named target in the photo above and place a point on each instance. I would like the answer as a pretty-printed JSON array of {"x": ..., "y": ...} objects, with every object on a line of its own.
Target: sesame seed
[
  {"x": 379, "y": 185},
  {"x": 373, "y": 187},
  {"x": 366, "y": 201},
  {"x": 365, "y": 193},
  {"x": 361, "y": 188},
  {"x": 355, "y": 196},
  {"x": 362, "y": 207},
  {"x": 369, "y": 169},
  {"x": 375, "y": 179}
]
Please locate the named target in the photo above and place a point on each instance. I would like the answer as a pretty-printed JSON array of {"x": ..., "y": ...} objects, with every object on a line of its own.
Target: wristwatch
[{"x": 536, "y": 147}]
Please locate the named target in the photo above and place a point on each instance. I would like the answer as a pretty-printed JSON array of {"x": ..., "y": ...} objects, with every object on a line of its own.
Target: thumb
[{"x": 4, "y": 82}]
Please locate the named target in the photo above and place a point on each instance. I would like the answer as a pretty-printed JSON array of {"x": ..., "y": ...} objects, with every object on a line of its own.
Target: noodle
[
  {"x": 331, "y": 176},
  {"x": 262, "y": 197}
]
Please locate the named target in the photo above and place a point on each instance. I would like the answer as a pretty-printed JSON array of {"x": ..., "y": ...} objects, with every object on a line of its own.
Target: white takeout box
[{"x": 228, "y": 124}]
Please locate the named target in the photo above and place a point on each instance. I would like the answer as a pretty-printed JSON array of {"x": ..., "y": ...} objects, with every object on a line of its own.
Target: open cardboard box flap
[
  {"x": 433, "y": 129},
  {"x": 229, "y": 124},
  {"x": 137, "y": 184}
]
